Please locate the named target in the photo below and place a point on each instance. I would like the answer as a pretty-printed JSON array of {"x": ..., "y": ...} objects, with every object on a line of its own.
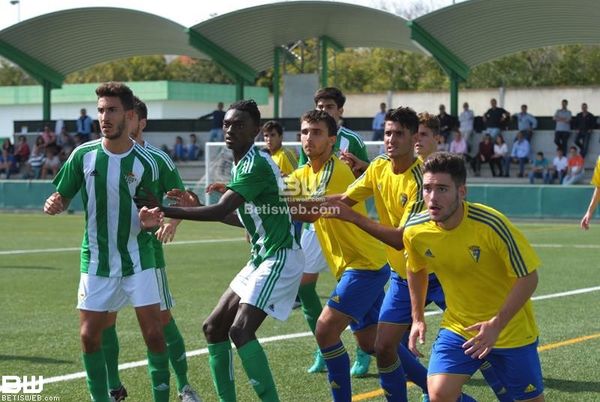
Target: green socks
[
  {"x": 95, "y": 369},
  {"x": 158, "y": 368},
  {"x": 176, "y": 350},
  {"x": 110, "y": 346},
  {"x": 311, "y": 304},
  {"x": 220, "y": 359},
  {"x": 257, "y": 368}
]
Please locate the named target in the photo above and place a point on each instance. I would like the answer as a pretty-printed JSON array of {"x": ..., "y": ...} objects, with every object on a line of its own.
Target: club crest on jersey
[
  {"x": 130, "y": 178},
  {"x": 475, "y": 252},
  {"x": 403, "y": 199}
]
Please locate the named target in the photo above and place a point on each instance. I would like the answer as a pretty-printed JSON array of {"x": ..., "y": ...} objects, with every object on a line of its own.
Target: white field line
[
  {"x": 60, "y": 250},
  {"x": 203, "y": 351}
]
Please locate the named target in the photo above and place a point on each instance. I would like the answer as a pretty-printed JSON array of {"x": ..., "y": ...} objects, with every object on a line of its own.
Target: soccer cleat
[
  {"x": 119, "y": 394},
  {"x": 318, "y": 365},
  {"x": 188, "y": 394},
  {"x": 361, "y": 364}
]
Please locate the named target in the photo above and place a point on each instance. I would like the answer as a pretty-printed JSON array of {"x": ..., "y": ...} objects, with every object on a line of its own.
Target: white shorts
[
  {"x": 314, "y": 261},
  {"x": 99, "y": 293},
  {"x": 273, "y": 285}
]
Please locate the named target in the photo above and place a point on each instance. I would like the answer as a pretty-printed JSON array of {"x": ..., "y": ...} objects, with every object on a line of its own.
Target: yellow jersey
[
  {"x": 477, "y": 264},
  {"x": 596, "y": 177},
  {"x": 397, "y": 197},
  {"x": 344, "y": 245},
  {"x": 286, "y": 160}
]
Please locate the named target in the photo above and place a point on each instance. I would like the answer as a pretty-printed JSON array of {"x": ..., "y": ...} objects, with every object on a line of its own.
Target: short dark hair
[
  {"x": 316, "y": 116},
  {"x": 273, "y": 125},
  {"x": 331, "y": 93},
  {"x": 140, "y": 108},
  {"x": 540, "y": 153},
  {"x": 430, "y": 121},
  {"x": 445, "y": 162},
  {"x": 249, "y": 106},
  {"x": 118, "y": 90},
  {"x": 405, "y": 116}
]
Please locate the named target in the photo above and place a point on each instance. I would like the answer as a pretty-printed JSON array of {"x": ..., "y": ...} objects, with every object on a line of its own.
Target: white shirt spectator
[
  {"x": 466, "y": 121},
  {"x": 560, "y": 163},
  {"x": 500, "y": 149},
  {"x": 563, "y": 114}
]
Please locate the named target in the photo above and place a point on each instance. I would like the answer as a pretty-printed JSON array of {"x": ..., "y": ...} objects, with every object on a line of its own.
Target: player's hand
[
  {"x": 216, "y": 188},
  {"x": 481, "y": 344},
  {"x": 357, "y": 165},
  {"x": 340, "y": 210},
  {"x": 184, "y": 198},
  {"x": 585, "y": 221},
  {"x": 150, "y": 218},
  {"x": 417, "y": 334},
  {"x": 54, "y": 204},
  {"x": 145, "y": 198},
  {"x": 166, "y": 232}
]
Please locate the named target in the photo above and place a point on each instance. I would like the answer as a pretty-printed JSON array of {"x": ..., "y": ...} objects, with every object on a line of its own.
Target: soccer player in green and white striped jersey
[
  {"x": 268, "y": 284},
  {"x": 117, "y": 257},
  {"x": 168, "y": 179}
]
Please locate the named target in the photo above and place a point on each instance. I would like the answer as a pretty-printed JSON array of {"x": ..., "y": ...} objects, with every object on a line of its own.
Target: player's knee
[
  {"x": 324, "y": 333},
  {"x": 155, "y": 339},
  {"x": 442, "y": 394},
  {"x": 383, "y": 347},
  {"x": 240, "y": 335},
  {"x": 90, "y": 341}
]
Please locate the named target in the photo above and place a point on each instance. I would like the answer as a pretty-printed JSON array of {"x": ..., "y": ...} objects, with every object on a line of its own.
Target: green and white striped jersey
[
  {"x": 346, "y": 140},
  {"x": 113, "y": 243},
  {"x": 168, "y": 179},
  {"x": 265, "y": 214}
]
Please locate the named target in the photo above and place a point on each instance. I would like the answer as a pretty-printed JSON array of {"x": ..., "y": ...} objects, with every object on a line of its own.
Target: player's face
[
  {"x": 398, "y": 140},
  {"x": 315, "y": 139},
  {"x": 443, "y": 197},
  {"x": 113, "y": 118},
  {"x": 425, "y": 144},
  {"x": 332, "y": 109},
  {"x": 137, "y": 126},
  {"x": 272, "y": 139},
  {"x": 239, "y": 129}
]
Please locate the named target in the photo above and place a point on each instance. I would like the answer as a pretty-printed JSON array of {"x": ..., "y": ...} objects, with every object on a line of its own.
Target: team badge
[
  {"x": 475, "y": 252},
  {"x": 130, "y": 178}
]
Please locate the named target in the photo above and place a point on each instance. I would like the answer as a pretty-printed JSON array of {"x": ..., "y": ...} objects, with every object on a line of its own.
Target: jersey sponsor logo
[
  {"x": 403, "y": 199},
  {"x": 130, "y": 178},
  {"x": 475, "y": 253},
  {"x": 428, "y": 253},
  {"x": 335, "y": 299},
  {"x": 530, "y": 388}
]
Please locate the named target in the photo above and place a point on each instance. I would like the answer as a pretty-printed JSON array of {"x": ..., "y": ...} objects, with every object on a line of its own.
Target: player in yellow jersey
[
  {"x": 357, "y": 260},
  {"x": 488, "y": 271},
  {"x": 284, "y": 158},
  {"x": 589, "y": 214}
]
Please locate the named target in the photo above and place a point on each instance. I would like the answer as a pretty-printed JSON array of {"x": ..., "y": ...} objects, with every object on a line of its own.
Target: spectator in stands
[
  {"x": 179, "y": 150},
  {"x": 378, "y": 123},
  {"x": 193, "y": 150},
  {"x": 484, "y": 155},
  {"x": 22, "y": 150},
  {"x": 558, "y": 169},
  {"x": 84, "y": 126},
  {"x": 447, "y": 123},
  {"x": 466, "y": 119},
  {"x": 562, "y": 132},
  {"x": 539, "y": 168},
  {"x": 459, "y": 145},
  {"x": 575, "y": 169},
  {"x": 217, "y": 116},
  {"x": 520, "y": 153},
  {"x": 8, "y": 163},
  {"x": 442, "y": 145},
  {"x": 51, "y": 163},
  {"x": 526, "y": 123},
  {"x": 495, "y": 119},
  {"x": 67, "y": 145},
  {"x": 585, "y": 123},
  {"x": 500, "y": 157},
  {"x": 36, "y": 160},
  {"x": 8, "y": 146},
  {"x": 48, "y": 136}
]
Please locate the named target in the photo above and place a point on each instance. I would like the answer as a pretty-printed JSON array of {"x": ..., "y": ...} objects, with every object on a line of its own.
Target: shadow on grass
[
  {"x": 28, "y": 267},
  {"x": 33, "y": 359},
  {"x": 558, "y": 384}
]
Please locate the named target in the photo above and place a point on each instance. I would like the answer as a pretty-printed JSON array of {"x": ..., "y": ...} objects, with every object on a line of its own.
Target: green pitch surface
[{"x": 39, "y": 273}]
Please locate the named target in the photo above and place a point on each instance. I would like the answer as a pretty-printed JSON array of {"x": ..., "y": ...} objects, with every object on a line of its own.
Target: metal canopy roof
[
  {"x": 251, "y": 34},
  {"x": 478, "y": 31},
  {"x": 53, "y": 45}
]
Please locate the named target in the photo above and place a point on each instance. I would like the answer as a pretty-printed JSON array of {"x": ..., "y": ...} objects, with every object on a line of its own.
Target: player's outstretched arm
[
  {"x": 228, "y": 203},
  {"x": 417, "y": 286},
  {"x": 585, "y": 221},
  {"x": 56, "y": 203},
  {"x": 488, "y": 331},
  {"x": 389, "y": 235}
]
